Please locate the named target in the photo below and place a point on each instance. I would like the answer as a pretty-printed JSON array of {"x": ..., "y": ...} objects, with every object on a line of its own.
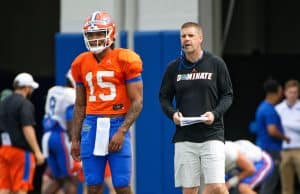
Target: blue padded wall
[
  {"x": 148, "y": 131},
  {"x": 154, "y": 131},
  {"x": 67, "y": 47},
  {"x": 171, "y": 50}
]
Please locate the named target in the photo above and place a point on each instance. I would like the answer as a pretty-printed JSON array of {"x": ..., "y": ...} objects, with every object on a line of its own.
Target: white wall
[
  {"x": 151, "y": 15},
  {"x": 74, "y": 12},
  {"x": 166, "y": 14}
]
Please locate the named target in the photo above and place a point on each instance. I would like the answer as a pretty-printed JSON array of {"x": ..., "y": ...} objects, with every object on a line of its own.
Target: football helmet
[{"x": 99, "y": 31}]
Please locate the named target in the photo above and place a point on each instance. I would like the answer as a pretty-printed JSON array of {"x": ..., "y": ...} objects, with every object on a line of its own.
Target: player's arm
[
  {"x": 274, "y": 132},
  {"x": 246, "y": 169},
  {"x": 79, "y": 113},
  {"x": 135, "y": 93},
  {"x": 246, "y": 166},
  {"x": 132, "y": 67},
  {"x": 29, "y": 134}
]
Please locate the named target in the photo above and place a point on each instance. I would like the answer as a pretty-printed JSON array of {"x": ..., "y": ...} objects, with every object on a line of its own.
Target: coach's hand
[
  {"x": 117, "y": 140},
  {"x": 210, "y": 118},
  {"x": 75, "y": 150},
  {"x": 176, "y": 117}
]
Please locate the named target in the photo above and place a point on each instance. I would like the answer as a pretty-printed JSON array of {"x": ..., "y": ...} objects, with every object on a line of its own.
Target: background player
[
  {"x": 246, "y": 165},
  {"x": 56, "y": 142}
]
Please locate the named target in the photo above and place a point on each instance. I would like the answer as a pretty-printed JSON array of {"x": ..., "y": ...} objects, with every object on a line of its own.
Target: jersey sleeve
[
  {"x": 132, "y": 64},
  {"x": 75, "y": 70},
  {"x": 27, "y": 114}
]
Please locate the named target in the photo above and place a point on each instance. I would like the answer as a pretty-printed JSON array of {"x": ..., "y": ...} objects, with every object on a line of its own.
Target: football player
[{"x": 109, "y": 98}]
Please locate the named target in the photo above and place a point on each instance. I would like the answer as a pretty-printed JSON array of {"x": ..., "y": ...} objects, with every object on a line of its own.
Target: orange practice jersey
[{"x": 105, "y": 82}]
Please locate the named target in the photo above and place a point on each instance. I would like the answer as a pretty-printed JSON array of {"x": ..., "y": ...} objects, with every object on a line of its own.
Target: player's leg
[
  {"x": 108, "y": 179},
  {"x": 77, "y": 172},
  {"x": 60, "y": 164},
  {"x": 93, "y": 166},
  {"x": 269, "y": 184},
  {"x": 49, "y": 184},
  {"x": 63, "y": 156},
  {"x": 121, "y": 172},
  {"x": 120, "y": 162},
  {"x": 93, "y": 169},
  {"x": 213, "y": 165},
  {"x": 263, "y": 169}
]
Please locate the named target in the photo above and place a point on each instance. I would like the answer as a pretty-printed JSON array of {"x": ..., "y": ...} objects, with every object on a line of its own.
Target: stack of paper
[{"x": 191, "y": 120}]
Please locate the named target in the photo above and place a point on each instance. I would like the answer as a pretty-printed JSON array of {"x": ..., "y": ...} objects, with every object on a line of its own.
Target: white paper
[
  {"x": 191, "y": 120},
  {"x": 102, "y": 137}
]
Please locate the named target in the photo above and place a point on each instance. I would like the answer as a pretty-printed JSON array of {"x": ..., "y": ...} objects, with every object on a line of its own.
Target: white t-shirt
[
  {"x": 59, "y": 98},
  {"x": 290, "y": 119},
  {"x": 233, "y": 148}
]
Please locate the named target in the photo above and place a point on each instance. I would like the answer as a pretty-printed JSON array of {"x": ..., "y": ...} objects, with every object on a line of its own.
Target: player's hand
[
  {"x": 176, "y": 117},
  {"x": 116, "y": 141},
  {"x": 75, "y": 150},
  {"x": 287, "y": 139},
  {"x": 39, "y": 158},
  {"x": 210, "y": 118}
]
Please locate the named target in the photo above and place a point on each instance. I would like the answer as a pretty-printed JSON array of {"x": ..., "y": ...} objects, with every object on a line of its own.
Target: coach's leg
[
  {"x": 215, "y": 188},
  {"x": 213, "y": 166},
  {"x": 187, "y": 167},
  {"x": 192, "y": 190}
]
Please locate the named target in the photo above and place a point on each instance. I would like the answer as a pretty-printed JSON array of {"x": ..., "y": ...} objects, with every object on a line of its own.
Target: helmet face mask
[{"x": 99, "y": 32}]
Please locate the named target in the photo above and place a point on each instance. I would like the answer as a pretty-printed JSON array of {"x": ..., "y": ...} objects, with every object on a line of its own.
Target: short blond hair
[
  {"x": 192, "y": 24},
  {"x": 292, "y": 83}
]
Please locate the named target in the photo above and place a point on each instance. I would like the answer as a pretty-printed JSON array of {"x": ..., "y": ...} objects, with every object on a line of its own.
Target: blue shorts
[
  {"x": 94, "y": 166},
  {"x": 59, "y": 160},
  {"x": 263, "y": 169}
]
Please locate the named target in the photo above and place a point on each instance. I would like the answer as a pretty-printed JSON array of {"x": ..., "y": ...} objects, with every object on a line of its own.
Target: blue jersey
[{"x": 267, "y": 115}]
